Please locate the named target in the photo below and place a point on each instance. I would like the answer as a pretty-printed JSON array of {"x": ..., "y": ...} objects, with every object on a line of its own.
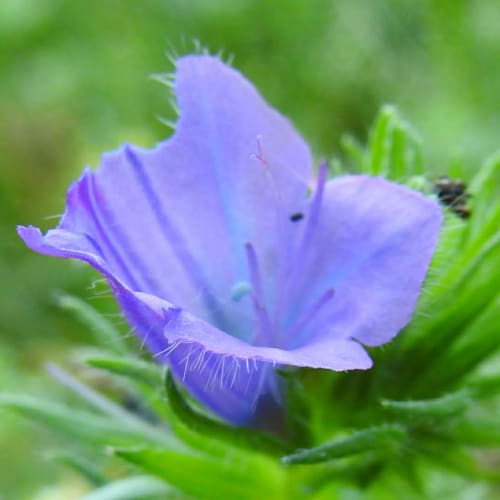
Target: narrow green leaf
[
  {"x": 398, "y": 154},
  {"x": 382, "y": 439},
  {"x": 206, "y": 477},
  {"x": 429, "y": 410},
  {"x": 485, "y": 180},
  {"x": 380, "y": 141},
  {"x": 474, "y": 343},
  {"x": 88, "y": 394},
  {"x": 131, "y": 488},
  {"x": 237, "y": 436},
  {"x": 489, "y": 248},
  {"x": 84, "y": 425},
  {"x": 480, "y": 341},
  {"x": 105, "y": 333},
  {"x": 102, "y": 403},
  {"x": 146, "y": 378},
  {"x": 485, "y": 200},
  {"x": 142, "y": 371}
]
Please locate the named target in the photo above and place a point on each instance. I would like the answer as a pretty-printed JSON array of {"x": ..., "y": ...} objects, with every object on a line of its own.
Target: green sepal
[
  {"x": 298, "y": 408},
  {"x": 381, "y": 439},
  {"x": 236, "y": 436},
  {"x": 212, "y": 478}
]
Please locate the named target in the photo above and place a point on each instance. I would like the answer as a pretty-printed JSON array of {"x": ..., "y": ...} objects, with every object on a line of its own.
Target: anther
[{"x": 259, "y": 156}]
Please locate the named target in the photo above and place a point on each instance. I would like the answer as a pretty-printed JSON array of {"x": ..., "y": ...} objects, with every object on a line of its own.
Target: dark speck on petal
[{"x": 296, "y": 217}]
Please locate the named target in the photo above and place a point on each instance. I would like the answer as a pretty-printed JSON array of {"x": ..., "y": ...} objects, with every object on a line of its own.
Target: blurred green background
[{"x": 74, "y": 82}]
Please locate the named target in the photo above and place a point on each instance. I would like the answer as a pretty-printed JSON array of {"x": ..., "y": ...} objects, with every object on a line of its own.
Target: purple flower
[{"x": 228, "y": 257}]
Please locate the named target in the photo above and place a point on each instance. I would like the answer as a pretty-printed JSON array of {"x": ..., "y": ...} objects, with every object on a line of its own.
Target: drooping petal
[
  {"x": 67, "y": 245},
  {"x": 372, "y": 244},
  {"x": 231, "y": 376}
]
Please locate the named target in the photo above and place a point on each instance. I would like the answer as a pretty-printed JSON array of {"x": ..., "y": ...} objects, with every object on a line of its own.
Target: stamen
[
  {"x": 254, "y": 271},
  {"x": 281, "y": 231},
  {"x": 259, "y": 156},
  {"x": 307, "y": 316},
  {"x": 262, "y": 315},
  {"x": 292, "y": 280},
  {"x": 317, "y": 201}
]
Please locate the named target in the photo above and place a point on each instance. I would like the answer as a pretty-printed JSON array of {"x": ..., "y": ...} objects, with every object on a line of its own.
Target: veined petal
[
  {"x": 372, "y": 245},
  {"x": 203, "y": 244}
]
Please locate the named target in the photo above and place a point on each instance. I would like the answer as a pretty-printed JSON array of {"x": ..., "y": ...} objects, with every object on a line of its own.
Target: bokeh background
[{"x": 75, "y": 81}]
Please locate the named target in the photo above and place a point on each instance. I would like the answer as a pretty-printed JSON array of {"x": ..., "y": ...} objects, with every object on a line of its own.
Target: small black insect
[
  {"x": 453, "y": 193},
  {"x": 296, "y": 217}
]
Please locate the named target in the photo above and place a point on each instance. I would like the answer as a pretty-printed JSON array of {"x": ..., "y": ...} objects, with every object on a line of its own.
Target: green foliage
[
  {"x": 394, "y": 150},
  {"x": 379, "y": 440},
  {"x": 234, "y": 476},
  {"x": 84, "y": 425}
]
